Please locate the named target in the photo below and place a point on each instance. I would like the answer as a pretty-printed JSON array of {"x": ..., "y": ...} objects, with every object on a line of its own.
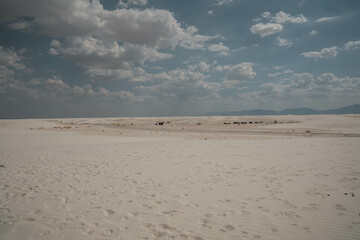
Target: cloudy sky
[{"x": 83, "y": 58}]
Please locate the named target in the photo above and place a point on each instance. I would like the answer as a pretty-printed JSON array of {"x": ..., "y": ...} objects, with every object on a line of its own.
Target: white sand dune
[{"x": 193, "y": 178}]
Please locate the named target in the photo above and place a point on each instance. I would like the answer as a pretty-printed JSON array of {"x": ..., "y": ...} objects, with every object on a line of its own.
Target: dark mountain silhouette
[{"x": 351, "y": 109}]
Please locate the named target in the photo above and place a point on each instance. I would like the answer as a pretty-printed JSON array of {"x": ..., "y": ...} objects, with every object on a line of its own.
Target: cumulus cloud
[
  {"x": 301, "y": 80},
  {"x": 220, "y": 47},
  {"x": 327, "y": 78},
  {"x": 266, "y": 29},
  {"x": 240, "y": 72},
  {"x": 332, "y": 51},
  {"x": 57, "y": 17},
  {"x": 11, "y": 64},
  {"x": 89, "y": 91},
  {"x": 56, "y": 83},
  {"x": 284, "y": 42},
  {"x": 303, "y": 84},
  {"x": 200, "y": 67},
  {"x": 105, "y": 59},
  {"x": 189, "y": 39},
  {"x": 179, "y": 84},
  {"x": 6, "y": 74},
  {"x": 282, "y": 17},
  {"x": 110, "y": 44},
  {"x": 16, "y": 87},
  {"x": 69, "y": 18},
  {"x": 101, "y": 74},
  {"x": 11, "y": 58},
  {"x": 324, "y": 53},
  {"x": 275, "y": 22},
  {"x": 352, "y": 45},
  {"x": 221, "y": 68},
  {"x": 132, "y": 3}
]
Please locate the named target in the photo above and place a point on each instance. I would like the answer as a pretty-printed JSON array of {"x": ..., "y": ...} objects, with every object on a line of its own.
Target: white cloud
[
  {"x": 274, "y": 24},
  {"x": 326, "y": 19},
  {"x": 275, "y": 88},
  {"x": 282, "y": 17},
  {"x": 78, "y": 18},
  {"x": 302, "y": 80},
  {"x": 16, "y": 87},
  {"x": 200, "y": 67},
  {"x": 284, "y": 42},
  {"x": 274, "y": 74},
  {"x": 6, "y": 74},
  {"x": 304, "y": 84},
  {"x": 105, "y": 59},
  {"x": 89, "y": 91},
  {"x": 279, "y": 67},
  {"x": 222, "y": 2},
  {"x": 132, "y": 3},
  {"x": 313, "y": 32},
  {"x": 78, "y": 90},
  {"x": 240, "y": 72},
  {"x": 352, "y": 45},
  {"x": 265, "y": 15},
  {"x": 56, "y": 84},
  {"x": 85, "y": 90},
  {"x": 221, "y": 68},
  {"x": 266, "y": 29},
  {"x": 220, "y": 47},
  {"x": 19, "y": 25},
  {"x": 189, "y": 39},
  {"x": 279, "y": 73},
  {"x": 124, "y": 95},
  {"x": 11, "y": 58},
  {"x": 324, "y": 53},
  {"x": 210, "y": 12},
  {"x": 239, "y": 49},
  {"x": 178, "y": 84},
  {"x": 101, "y": 74},
  {"x": 11, "y": 64},
  {"x": 327, "y": 78}
]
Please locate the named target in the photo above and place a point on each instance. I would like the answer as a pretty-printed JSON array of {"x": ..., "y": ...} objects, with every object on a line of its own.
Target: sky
[{"x": 137, "y": 58}]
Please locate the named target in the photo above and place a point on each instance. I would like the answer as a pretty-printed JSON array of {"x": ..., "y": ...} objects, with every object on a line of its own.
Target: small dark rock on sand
[{"x": 2, "y": 166}]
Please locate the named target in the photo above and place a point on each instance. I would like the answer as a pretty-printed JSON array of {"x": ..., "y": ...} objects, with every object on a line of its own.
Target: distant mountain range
[{"x": 351, "y": 109}]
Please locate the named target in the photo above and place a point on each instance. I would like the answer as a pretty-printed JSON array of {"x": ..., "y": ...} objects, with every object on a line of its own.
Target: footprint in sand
[
  {"x": 340, "y": 208},
  {"x": 197, "y": 238},
  {"x": 159, "y": 234},
  {"x": 109, "y": 212},
  {"x": 108, "y": 232},
  {"x": 30, "y": 219},
  {"x": 80, "y": 225},
  {"x": 227, "y": 228}
]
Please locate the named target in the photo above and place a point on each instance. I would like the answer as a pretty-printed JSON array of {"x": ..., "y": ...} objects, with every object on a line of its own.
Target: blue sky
[{"x": 81, "y": 58}]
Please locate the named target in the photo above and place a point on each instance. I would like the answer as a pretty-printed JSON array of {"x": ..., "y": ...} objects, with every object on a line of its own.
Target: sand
[{"x": 192, "y": 178}]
